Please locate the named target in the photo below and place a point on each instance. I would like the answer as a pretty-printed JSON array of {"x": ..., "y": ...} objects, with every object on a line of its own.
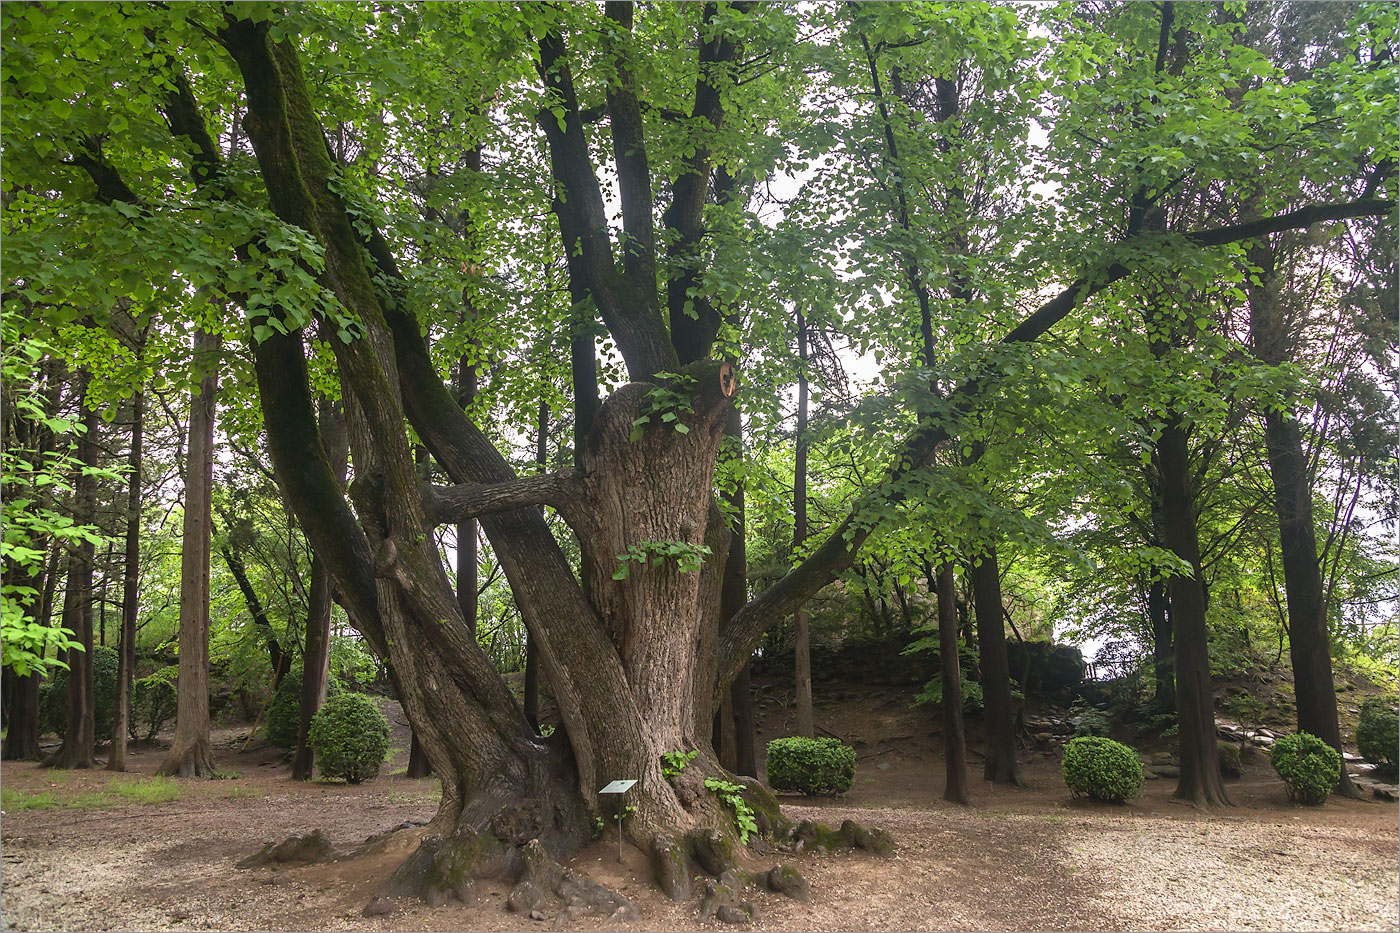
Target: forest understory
[{"x": 1029, "y": 859}]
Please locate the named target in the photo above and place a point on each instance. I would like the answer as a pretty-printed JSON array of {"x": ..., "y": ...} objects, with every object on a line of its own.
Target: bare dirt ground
[{"x": 1028, "y": 859}]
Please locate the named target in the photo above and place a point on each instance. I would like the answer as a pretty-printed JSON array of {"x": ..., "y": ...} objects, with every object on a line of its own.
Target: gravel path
[{"x": 1237, "y": 875}]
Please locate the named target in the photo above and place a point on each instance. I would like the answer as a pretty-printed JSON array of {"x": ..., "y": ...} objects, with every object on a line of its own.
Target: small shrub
[
  {"x": 349, "y": 736},
  {"x": 53, "y": 695},
  {"x": 1102, "y": 769},
  {"x": 1230, "y": 765},
  {"x": 812, "y": 766},
  {"x": 1378, "y": 734},
  {"x": 1309, "y": 767},
  {"x": 153, "y": 701},
  {"x": 284, "y": 712}
]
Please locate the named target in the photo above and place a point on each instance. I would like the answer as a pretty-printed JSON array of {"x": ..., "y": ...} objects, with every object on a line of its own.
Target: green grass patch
[
  {"x": 11, "y": 800},
  {"x": 149, "y": 790},
  {"x": 146, "y": 790},
  {"x": 391, "y": 753},
  {"x": 236, "y": 793}
]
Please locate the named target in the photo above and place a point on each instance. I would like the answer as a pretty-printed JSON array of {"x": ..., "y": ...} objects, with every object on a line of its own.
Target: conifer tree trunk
[
  {"x": 131, "y": 603},
  {"x": 190, "y": 752},
  {"x": 22, "y": 734},
  {"x": 78, "y": 740}
]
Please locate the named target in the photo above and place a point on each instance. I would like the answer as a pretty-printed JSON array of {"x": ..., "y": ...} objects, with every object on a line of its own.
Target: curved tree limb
[{"x": 836, "y": 553}]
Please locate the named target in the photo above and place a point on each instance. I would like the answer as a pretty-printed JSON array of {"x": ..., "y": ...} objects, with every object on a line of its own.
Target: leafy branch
[
  {"x": 733, "y": 795},
  {"x": 666, "y": 403},
  {"x": 688, "y": 557}
]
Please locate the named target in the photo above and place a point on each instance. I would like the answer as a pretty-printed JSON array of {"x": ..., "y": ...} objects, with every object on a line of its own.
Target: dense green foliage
[
  {"x": 911, "y": 180},
  {"x": 812, "y": 766},
  {"x": 1102, "y": 769},
  {"x": 53, "y": 695},
  {"x": 1378, "y": 734},
  {"x": 1308, "y": 766},
  {"x": 153, "y": 701},
  {"x": 349, "y": 736}
]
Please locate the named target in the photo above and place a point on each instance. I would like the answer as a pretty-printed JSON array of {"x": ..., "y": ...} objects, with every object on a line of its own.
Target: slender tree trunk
[
  {"x": 1200, "y": 780},
  {"x": 131, "y": 603},
  {"x": 316, "y": 658},
  {"x": 191, "y": 754},
  {"x": 467, "y": 582},
  {"x": 22, "y": 731},
  {"x": 1162, "y": 666},
  {"x": 998, "y": 715},
  {"x": 734, "y": 594},
  {"x": 954, "y": 736},
  {"x": 1309, "y": 643},
  {"x": 78, "y": 740},
  {"x": 532, "y": 655},
  {"x": 802, "y": 638},
  {"x": 235, "y": 564}
]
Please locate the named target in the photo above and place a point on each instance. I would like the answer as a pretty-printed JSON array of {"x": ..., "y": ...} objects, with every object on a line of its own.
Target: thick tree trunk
[
  {"x": 191, "y": 754},
  {"x": 954, "y": 736},
  {"x": 801, "y": 630},
  {"x": 316, "y": 658},
  {"x": 22, "y": 728},
  {"x": 131, "y": 602},
  {"x": 998, "y": 717},
  {"x": 1200, "y": 780},
  {"x": 78, "y": 740}
]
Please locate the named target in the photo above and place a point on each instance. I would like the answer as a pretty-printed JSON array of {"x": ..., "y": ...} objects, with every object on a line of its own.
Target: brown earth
[{"x": 1030, "y": 859}]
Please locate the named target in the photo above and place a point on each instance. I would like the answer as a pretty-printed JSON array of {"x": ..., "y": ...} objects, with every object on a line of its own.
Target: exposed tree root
[
  {"x": 301, "y": 850},
  {"x": 542, "y": 878},
  {"x": 520, "y": 842}
]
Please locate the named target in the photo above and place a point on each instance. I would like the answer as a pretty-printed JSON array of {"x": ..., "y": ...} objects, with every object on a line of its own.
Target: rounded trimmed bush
[
  {"x": 53, "y": 695},
  {"x": 1378, "y": 734},
  {"x": 1100, "y": 768},
  {"x": 1309, "y": 767},
  {"x": 812, "y": 766},
  {"x": 284, "y": 712},
  {"x": 349, "y": 736}
]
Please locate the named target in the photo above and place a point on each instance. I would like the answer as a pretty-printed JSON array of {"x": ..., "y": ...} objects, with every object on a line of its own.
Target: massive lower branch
[{"x": 451, "y": 504}]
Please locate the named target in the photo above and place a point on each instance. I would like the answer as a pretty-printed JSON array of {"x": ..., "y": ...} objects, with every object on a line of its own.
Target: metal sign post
[{"x": 619, "y": 788}]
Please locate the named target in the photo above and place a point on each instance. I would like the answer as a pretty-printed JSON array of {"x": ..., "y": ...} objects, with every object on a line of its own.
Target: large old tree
[{"x": 633, "y": 640}]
